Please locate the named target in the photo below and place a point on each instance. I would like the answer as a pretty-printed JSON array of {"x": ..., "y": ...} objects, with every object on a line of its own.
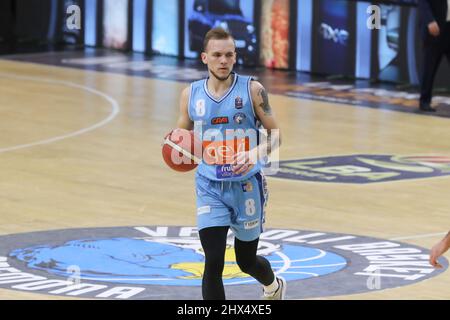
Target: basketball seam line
[{"x": 184, "y": 152}]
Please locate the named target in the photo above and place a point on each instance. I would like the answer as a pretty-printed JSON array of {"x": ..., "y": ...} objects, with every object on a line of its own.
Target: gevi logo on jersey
[{"x": 363, "y": 168}]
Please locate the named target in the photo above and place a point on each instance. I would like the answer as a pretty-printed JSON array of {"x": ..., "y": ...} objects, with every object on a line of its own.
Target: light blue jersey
[
  {"x": 234, "y": 111},
  {"x": 224, "y": 198}
]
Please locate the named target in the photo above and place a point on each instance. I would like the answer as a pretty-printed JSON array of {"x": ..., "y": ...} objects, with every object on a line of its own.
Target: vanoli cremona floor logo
[
  {"x": 166, "y": 262},
  {"x": 364, "y": 168}
]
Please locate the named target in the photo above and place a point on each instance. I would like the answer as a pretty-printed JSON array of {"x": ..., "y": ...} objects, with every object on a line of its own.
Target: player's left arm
[{"x": 266, "y": 116}]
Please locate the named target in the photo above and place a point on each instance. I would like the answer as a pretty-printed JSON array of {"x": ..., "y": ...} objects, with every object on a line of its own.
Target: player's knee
[{"x": 246, "y": 264}]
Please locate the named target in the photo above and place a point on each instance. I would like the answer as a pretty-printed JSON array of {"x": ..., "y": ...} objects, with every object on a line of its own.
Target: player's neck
[{"x": 218, "y": 87}]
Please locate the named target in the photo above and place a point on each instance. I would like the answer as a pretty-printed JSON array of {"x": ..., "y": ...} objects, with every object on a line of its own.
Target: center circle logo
[{"x": 161, "y": 262}]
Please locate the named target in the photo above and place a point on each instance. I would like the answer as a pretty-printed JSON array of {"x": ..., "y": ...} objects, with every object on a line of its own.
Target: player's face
[{"x": 220, "y": 56}]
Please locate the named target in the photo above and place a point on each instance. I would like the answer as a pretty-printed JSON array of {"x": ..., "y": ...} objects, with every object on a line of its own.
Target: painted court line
[{"x": 115, "y": 110}]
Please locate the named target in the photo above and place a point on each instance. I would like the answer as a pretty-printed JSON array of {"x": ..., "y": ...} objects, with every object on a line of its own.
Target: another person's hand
[
  {"x": 438, "y": 249},
  {"x": 433, "y": 29}
]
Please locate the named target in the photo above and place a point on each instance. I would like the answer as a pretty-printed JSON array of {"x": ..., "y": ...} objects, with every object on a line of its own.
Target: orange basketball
[{"x": 180, "y": 149}]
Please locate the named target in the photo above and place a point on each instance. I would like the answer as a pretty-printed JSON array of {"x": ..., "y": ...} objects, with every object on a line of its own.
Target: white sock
[{"x": 271, "y": 288}]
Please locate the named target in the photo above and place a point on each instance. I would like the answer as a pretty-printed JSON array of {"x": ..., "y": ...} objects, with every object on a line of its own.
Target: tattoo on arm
[{"x": 265, "y": 104}]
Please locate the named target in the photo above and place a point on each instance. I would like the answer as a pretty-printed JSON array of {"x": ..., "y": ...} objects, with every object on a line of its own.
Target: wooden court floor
[{"x": 81, "y": 149}]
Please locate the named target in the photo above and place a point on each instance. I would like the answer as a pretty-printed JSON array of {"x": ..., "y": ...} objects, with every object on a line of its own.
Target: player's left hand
[{"x": 243, "y": 162}]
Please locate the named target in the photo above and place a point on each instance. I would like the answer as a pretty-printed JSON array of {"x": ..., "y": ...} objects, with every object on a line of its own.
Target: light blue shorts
[{"x": 237, "y": 204}]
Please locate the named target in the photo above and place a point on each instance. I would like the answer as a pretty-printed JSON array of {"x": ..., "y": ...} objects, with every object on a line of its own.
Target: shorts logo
[
  {"x": 251, "y": 224},
  {"x": 167, "y": 262},
  {"x": 247, "y": 187},
  {"x": 364, "y": 168},
  {"x": 203, "y": 210},
  {"x": 238, "y": 103},
  {"x": 239, "y": 117},
  {"x": 219, "y": 120}
]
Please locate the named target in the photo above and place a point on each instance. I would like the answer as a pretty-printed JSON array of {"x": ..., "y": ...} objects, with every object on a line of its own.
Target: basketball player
[
  {"x": 439, "y": 249},
  {"x": 231, "y": 189}
]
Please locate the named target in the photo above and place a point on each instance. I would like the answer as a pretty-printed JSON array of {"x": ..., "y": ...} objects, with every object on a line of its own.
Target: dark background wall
[
  {"x": 25, "y": 20},
  {"x": 43, "y": 22}
]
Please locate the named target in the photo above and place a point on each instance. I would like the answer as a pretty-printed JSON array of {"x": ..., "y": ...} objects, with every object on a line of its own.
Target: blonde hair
[{"x": 216, "y": 34}]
